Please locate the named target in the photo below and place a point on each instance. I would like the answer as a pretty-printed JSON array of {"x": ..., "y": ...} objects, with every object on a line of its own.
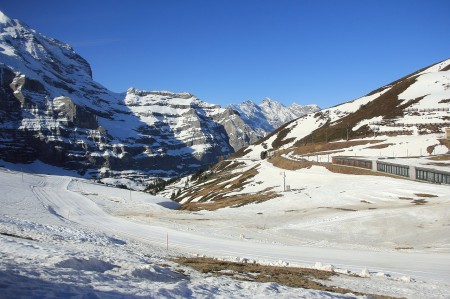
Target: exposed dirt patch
[
  {"x": 287, "y": 164},
  {"x": 380, "y": 146},
  {"x": 445, "y": 142},
  {"x": 419, "y": 202},
  {"x": 231, "y": 201},
  {"x": 327, "y": 146},
  {"x": 425, "y": 195},
  {"x": 287, "y": 276},
  {"x": 440, "y": 158},
  {"x": 241, "y": 153},
  {"x": 223, "y": 178},
  {"x": 406, "y": 198},
  {"x": 280, "y": 141},
  {"x": 430, "y": 149},
  {"x": 386, "y": 105}
]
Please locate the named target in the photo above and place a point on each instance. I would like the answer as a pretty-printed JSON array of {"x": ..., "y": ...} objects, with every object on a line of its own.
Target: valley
[
  {"x": 318, "y": 223},
  {"x": 159, "y": 194}
]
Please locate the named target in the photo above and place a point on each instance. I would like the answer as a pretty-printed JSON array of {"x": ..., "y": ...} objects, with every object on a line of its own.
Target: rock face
[
  {"x": 270, "y": 115},
  {"x": 52, "y": 110}
]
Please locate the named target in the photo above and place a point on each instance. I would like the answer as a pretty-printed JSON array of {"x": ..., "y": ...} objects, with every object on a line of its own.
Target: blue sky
[{"x": 323, "y": 52}]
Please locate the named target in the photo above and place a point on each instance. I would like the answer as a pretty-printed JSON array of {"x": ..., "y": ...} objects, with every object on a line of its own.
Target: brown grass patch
[
  {"x": 287, "y": 164},
  {"x": 425, "y": 195},
  {"x": 439, "y": 164},
  {"x": 445, "y": 142},
  {"x": 287, "y": 276},
  {"x": 440, "y": 158},
  {"x": 380, "y": 146},
  {"x": 230, "y": 201},
  {"x": 240, "y": 153},
  {"x": 279, "y": 141},
  {"x": 406, "y": 198},
  {"x": 386, "y": 106},
  {"x": 326, "y": 146},
  {"x": 211, "y": 185},
  {"x": 430, "y": 149},
  {"x": 419, "y": 202},
  {"x": 404, "y": 248}
]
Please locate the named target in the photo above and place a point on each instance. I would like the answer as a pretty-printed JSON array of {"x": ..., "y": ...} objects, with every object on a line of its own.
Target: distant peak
[
  {"x": 249, "y": 103},
  {"x": 267, "y": 100},
  {"x": 4, "y": 18}
]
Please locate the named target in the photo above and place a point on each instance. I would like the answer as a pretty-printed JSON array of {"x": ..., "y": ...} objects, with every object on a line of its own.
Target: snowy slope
[
  {"x": 416, "y": 105},
  {"x": 78, "y": 238}
]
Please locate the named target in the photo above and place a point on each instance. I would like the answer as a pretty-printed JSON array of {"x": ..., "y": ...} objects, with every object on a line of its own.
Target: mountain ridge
[
  {"x": 268, "y": 115},
  {"x": 53, "y": 111},
  {"x": 405, "y": 119}
]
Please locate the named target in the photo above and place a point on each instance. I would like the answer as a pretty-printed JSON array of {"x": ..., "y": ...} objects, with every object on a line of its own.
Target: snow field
[{"x": 91, "y": 239}]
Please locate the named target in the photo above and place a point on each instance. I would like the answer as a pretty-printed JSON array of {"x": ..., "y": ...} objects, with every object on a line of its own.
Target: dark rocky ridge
[{"x": 52, "y": 110}]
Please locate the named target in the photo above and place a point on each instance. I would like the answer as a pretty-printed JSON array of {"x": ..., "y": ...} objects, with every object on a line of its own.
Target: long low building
[{"x": 419, "y": 169}]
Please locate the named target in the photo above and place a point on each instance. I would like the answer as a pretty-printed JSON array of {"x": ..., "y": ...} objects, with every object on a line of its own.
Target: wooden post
[{"x": 167, "y": 241}]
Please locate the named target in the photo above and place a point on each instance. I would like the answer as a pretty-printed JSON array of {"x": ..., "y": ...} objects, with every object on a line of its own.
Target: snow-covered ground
[{"x": 63, "y": 236}]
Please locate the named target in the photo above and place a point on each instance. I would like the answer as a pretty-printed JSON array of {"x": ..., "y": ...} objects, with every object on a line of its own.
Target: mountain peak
[
  {"x": 4, "y": 19},
  {"x": 268, "y": 101}
]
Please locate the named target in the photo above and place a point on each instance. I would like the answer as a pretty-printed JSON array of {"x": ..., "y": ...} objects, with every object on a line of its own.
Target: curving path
[{"x": 68, "y": 205}]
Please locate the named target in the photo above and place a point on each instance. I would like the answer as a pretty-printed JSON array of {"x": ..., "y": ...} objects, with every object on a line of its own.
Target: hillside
[
  {"x": 416, "y": 105},
  {"x": 403, "y": 119}
]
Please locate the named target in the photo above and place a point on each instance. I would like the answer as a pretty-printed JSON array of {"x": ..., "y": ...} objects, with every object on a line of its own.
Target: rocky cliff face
[
  {"x": 52, "y": 110},
  {"x": 269, "y": 115}
]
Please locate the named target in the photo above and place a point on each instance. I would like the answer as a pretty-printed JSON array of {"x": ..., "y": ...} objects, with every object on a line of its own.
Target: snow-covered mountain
[
  {"x": 52, "y": 110},
  {"x": 267, "y": 116},
  {"x": 416, "y": 105},
  {"x": 404, "y": 120}
]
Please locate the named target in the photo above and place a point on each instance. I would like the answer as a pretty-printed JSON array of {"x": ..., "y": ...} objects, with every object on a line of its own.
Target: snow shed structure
[
  {"x": 355, "y": 162},
  {"x": 397, "y": 167}
]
